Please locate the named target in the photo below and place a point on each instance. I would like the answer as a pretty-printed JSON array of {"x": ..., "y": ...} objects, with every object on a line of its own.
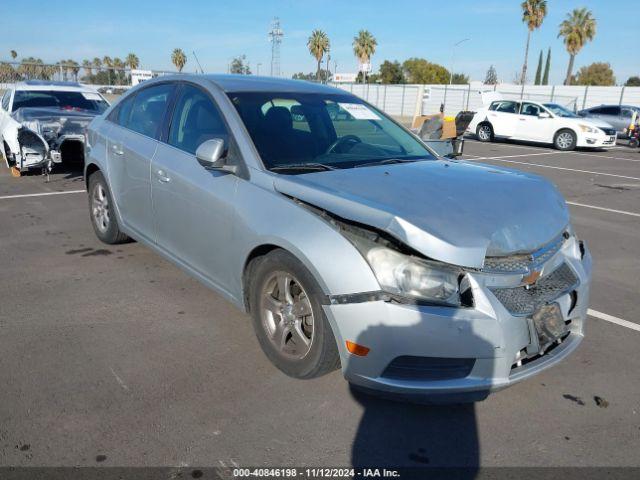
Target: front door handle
[
  {"x": 162, "y": 176},
  {"x": 117, "y": 149}
]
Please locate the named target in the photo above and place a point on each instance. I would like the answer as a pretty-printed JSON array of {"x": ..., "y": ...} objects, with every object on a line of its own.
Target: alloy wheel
[
  {"x": 564, "y": 140},
  {"x": 100, "y": 208},
  {"x": 287, "y": 316}
]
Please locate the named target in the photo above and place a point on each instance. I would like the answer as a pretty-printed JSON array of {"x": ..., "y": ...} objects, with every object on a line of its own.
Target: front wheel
[
  {"x": 484, "y": 132},
  {"x": 292, "y": 329},
  {"x": 565, "y": 140}
]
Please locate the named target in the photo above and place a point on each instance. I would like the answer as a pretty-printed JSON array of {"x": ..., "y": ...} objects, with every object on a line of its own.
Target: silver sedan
[{"x": 350, "y": 243}]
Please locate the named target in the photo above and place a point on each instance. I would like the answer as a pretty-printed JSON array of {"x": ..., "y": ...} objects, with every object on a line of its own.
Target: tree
[
  {"x": 419, "y": 70},
  {"x": 318, "y": 45},
  {"x": 14, "y": 54},
  {"x": 88, "y": 67},
  {"x": 633, "y": 82},
  {"x": 97, "y": 64},
  {"x": 132, "y": 61},
  {"x": 240, "y": 66},
  {"x": 577, "y": 29},
  {"x": 459, "y": 79},
  {"x": 118, "y": 70},
  {"x": 547, "y": 67},
  {"x": 539, "y": 70},
  {"x": 533, "y": 13},
  {"x": 390, "y": 72},
  {"x": 491, "y": 77},
  {"x": 598, "y": 73},
  {"x": 178, "y": 58},
  {"x": 364, "y": 46},
  {"x": 108, "y": 63}
]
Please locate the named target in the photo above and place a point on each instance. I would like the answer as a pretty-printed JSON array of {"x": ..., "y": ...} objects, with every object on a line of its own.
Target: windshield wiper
[
  {"x": 386, "y": 161},
  {"x": 302, "y": 166}
]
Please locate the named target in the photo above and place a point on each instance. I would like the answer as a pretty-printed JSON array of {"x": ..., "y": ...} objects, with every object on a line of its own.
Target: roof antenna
[{"x": 197, "y": 61}]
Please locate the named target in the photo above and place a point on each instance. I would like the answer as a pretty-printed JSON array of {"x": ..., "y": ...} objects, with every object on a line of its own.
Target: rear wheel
[
  {"x": 484, "y": 132},
  {"x": 288, "y": 318},
  {"x": 103, "y": 217},
  {"x": 565, "y": 140}
]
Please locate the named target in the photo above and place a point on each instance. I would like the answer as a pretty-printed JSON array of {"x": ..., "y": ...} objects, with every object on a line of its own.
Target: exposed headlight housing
[
  {"x": 409, "y": 276},
  {"x": 587, "y": 128}
]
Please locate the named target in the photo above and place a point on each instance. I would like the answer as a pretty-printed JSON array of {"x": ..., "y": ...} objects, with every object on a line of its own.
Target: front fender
[{"x": 266, "y": 217}]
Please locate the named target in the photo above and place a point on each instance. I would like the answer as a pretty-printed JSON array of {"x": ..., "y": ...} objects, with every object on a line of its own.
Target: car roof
[
  {"x": 252, "y": 83},
  {"x": 41, "y": 85}
]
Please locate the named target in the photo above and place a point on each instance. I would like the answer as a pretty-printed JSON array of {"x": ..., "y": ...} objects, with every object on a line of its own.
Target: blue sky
[{"x": 220, "y": 29}]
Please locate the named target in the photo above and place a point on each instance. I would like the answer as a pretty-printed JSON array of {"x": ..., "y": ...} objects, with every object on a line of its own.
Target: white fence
[{"x": 408, "y": 100}]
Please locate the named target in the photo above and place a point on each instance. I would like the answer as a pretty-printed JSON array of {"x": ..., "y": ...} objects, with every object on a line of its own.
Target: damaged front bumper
[{"x": 435, "y": 353}]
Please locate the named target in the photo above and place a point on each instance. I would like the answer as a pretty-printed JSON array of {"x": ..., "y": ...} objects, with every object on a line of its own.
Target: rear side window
[
  {"x": 195, "y": 120},
  {"x": 508, "y": 107},
  {"x": 148, "y": 110}
]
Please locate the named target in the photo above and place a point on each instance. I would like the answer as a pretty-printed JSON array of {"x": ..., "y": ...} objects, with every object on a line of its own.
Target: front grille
[
  {"x": 523, "y": 263},
  {"x": 609, "y": 131},
  {"x": 409, "y": 367},
  {"x": 524, "y": 301}
]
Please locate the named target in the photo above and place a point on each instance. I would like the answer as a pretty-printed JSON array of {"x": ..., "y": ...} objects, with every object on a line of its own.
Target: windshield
[
  {"x": 297, "y": 133},
  {"x": 560, "y": 111},
  {"x": 90, "y": 101}
]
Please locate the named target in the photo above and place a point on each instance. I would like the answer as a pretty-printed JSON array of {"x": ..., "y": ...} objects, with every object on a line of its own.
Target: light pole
[
  {"x": 453, "y": 56},
  {"x": 258, "y": 68}
]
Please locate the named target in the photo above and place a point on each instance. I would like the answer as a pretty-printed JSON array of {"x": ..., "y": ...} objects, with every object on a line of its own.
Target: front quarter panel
[{"x": 266, "y": 217}]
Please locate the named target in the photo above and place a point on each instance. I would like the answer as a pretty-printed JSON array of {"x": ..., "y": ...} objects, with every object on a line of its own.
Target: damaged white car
[{"x": 42, "y": 123}]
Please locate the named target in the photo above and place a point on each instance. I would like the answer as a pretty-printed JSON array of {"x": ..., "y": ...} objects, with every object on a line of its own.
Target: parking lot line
[
  {"x": 610, "y": 318},
  {"x": 503, "y": 159},
  {"x": 604, "y": 156},
  {"x": 513, "y": 156},
  {"x": 6, "y": 197},
  {"x": 604, "y": 209}
]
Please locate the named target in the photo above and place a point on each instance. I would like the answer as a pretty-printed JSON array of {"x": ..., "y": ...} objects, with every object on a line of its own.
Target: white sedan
[{"x": 544, "y": 123}]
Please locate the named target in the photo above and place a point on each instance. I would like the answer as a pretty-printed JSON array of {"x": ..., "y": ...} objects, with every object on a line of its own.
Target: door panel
[
  {"x": 193, "y": 211},
  {"x": 533, "y": 128},
  {"x": 504, "y": 118}
]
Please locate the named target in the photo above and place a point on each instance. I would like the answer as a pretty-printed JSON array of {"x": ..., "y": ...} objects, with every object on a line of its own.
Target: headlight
[
  {"x": 409, "y": 276},
  {"x": 587, "y": 128}
]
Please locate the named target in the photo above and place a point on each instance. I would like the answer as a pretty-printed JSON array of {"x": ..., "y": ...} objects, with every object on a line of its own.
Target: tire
[
  {"x": 565, "y": 140},
  {"x": 280, "y": 334},
  {"x": 103, "y": 219},
  {"x": 633, "y": 142},
  {"x": 484, "y": 132}
]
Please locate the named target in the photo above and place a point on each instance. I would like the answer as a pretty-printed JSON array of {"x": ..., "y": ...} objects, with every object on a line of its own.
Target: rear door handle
[
  {"x": 162, "y": 176},
  {"x": 117, "y": 149}
]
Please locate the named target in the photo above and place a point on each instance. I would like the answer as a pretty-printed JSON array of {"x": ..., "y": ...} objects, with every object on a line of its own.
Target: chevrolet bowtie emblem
[{"x": 532, "y": 278}]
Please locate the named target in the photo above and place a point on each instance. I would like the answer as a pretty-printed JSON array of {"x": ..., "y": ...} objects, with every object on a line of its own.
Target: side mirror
[
  {"x": 210, "y": 155},
  {"x": 544, "y": 115}
]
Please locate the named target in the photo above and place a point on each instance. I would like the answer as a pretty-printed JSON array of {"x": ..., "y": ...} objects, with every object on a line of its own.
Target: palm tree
[
  {"x": 132, "y": 61},
  {"x": 108, "y": 63},
  {"x": 578, "y": 29},
  {"x": 178, "y": 58},
  {"x": 118, "y": 68},
  {"x": 97, "y": 63},
  {"x": 533, "y": 13},
  {"x": 318, "y": 44},
  {"x": 74, "y": 68},
  {"x": 14, "y": 54},
  {"x": 364, "y": 46},
  {"x": 88, "y": 67}
]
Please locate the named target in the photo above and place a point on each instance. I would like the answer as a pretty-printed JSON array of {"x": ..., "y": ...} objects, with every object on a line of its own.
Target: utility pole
[{"x": 258, "y": 68}]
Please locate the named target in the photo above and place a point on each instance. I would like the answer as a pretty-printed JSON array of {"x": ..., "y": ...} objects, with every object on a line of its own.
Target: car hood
[
  {"x": 452, "y": 211},
  {"x": 592, "y": 122}
]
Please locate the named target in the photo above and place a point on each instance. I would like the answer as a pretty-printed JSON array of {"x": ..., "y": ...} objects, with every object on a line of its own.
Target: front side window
[
  {"x": 531, "y": 109},
  {"x": 323, "y": 130},
  {"x": 89, "y": 101},
  {"x": 148, "y": 110},
  {"x": 195, "y": 120}
]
